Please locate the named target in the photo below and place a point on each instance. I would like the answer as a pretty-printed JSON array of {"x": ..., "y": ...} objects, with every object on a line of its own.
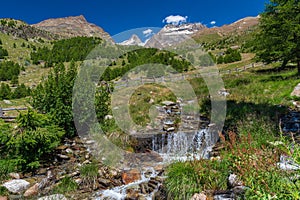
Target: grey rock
[{"x": 16, "y": 186}]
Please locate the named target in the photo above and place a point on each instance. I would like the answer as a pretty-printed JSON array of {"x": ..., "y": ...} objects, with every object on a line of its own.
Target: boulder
[
  {"x": 32, "y": 191},
  {"x": 16, "y": 186},
  {"x": 131, "y": 176}
]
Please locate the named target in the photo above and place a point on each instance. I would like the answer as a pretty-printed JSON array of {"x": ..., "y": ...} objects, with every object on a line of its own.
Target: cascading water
[{"x": 183, "y": 146}]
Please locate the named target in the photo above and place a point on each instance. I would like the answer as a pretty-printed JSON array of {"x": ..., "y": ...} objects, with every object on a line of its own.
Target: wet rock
[
  {"x": 16, "y": 186},
  {"x": 131, "y": 176},
  {"x": 200, "y": 196},
  {"x": 32, "y": 191},
  {"x": 14, "y": 175},
  {"x": 54, "y": 197}
]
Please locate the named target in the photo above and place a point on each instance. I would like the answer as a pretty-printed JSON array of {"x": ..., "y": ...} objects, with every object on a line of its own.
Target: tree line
[{"x": 65, "y": 50}]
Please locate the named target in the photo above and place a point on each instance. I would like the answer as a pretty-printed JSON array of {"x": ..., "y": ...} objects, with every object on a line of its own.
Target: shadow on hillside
[
  {"x": 280, "y": 78},
  {"x": 275, "y": 69},
  {"x": 243, "y": 111}
]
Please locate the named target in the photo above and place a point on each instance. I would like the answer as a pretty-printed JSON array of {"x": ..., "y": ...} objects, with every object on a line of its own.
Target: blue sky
[{"x": 116, "y": 16}]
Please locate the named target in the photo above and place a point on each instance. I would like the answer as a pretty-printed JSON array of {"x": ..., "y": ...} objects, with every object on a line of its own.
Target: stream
[{"x": 180, "y": 146}]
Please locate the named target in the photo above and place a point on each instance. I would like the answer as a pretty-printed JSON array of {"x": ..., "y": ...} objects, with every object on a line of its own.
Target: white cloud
[
  {"x": 148, "y": 32},
  {"x": 175, "y": 19},
  {"x": 213, "y": 22}
]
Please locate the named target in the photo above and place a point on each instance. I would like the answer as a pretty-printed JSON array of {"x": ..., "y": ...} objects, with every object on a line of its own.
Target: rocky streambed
[{"x": 142, "y": 173}]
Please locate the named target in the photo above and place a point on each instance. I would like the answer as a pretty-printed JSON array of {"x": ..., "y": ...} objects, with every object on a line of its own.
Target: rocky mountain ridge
[
  {"x": 71, "y": 27},
  {"x": 20, "y": 29},
  {"x": 236, "y": 27},
  {"x": 174, "y": 34}
]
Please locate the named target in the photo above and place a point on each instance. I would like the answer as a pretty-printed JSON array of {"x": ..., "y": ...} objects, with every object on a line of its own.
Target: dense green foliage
[
  {"x": 146, "y": 56},
  {"x": 3, "y": 52},
  {"x": 278, "y": 39},
  {"x": 19, "y": 92},
  {"x": 54, "y": 96},
  {"x": 8, "y": 70},
  {"x": 66, "y": 50},
  {"x": 27, "y": 146},
  {"x": 229, "y": 57}
]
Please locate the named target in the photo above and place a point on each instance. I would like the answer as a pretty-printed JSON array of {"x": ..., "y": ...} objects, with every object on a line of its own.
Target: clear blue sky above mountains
[{"x": 115, "y": 16}]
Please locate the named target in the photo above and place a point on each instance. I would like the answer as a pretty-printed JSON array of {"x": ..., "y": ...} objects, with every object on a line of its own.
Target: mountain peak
[
  {"x": 133, "y": 40},
  {"x": 173, "y": 34},
  {"x": 72, "y": 26}
]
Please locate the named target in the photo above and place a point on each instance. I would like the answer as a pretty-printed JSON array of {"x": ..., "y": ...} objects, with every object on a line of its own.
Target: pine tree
[{"x": 279, "y": 36}]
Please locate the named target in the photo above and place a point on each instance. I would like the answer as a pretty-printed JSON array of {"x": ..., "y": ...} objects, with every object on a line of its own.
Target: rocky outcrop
[
  {"x": 72, "y": 27},
  {"x": 25, "y": 31}
]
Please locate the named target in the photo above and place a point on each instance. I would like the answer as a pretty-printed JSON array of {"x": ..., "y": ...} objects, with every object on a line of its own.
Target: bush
[
  {"x": 3, "y": 53},
  {"x": 5, "y": 91},
  {"x": 35, "y": 138},
  {"x": 54, "y": 96},
  {"x": 8, "y": 70},
  {"x": 21, "y": 91}
]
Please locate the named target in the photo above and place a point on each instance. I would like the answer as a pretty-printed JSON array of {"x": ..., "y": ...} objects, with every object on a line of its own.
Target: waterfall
[{"x": 183, "y": 145}]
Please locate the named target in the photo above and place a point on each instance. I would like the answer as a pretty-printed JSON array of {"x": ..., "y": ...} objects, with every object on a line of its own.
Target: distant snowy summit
[
  {"x": 134, "y": 40},
  {"x": 171, "y": 34}
]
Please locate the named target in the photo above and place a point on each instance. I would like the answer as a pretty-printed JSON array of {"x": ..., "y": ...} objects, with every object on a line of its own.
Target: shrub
[{"x": 35, "y": 138}]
